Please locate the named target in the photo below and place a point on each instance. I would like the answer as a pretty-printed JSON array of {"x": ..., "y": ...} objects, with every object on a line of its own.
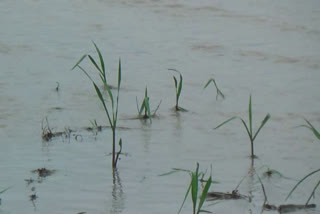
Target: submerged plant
[
  {"x": 311, "y": 127},
  {"x": 145, "y": 111},
  {"x": 251, "y": 134},
  {"x": 194, "y": 188},
  {"x": 111, "y": 112},
  {"x": 178, "y": 87},
  {"x": 213, "y": 81}
]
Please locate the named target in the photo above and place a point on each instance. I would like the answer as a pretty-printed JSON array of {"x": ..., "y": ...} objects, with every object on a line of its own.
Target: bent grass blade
[
  {"x": 312, "y": 128},
  {"x": 219, "y": 92},
  {"x": 304, "y": 178}
]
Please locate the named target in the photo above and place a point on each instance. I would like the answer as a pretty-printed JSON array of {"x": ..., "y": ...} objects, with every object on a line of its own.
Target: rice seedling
[
  {"x": 213, "y": 81},
  {"x": 178, "y": 87},
  {"x": 114, "y": 111},
  {"x": 304, "y": 178},
  {"x": 144, "y": 110},
  {"x": 311, "y": 127},
  {"x": 194, "y": 189},
  {"x": 111, "y": 112},
  {"x": 251, "y": 134}
]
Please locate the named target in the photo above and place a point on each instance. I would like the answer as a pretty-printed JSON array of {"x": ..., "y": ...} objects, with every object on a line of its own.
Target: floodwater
[{"x": 266, "y": 48}]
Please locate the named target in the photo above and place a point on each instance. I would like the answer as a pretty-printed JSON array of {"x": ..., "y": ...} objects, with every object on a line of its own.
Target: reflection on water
[{"x": 118, "y": 196}]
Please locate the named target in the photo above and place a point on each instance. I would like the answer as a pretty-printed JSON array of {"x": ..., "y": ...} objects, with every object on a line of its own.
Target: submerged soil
[{"x": 269, "y": 49}]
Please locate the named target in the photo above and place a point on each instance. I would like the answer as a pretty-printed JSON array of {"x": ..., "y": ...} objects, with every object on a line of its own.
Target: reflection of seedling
[
  {"x": 249, "y": 130},
  {"x": 314, "y": 189},
  {"x": 113, "y": 114},
  {"x": 194, "y": 188},
  {"x": 144, "y": 111},
  {"x": 219, "y": 93},
  {"x": 178, "y": 86},
  {"x": 311, "y": 127}
]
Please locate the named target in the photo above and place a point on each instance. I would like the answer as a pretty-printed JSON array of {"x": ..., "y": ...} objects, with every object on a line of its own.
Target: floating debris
[
  {"x": 286, "y": 208},
  {"x": 43, "y": 172},
  {"x": 234, "y": 195}
]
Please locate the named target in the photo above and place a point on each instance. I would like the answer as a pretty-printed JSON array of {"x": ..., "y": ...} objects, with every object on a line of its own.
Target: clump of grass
[
  {"x": 194, "y": 189},
  {"x": 111, "y": 112},
  {"x": 178, "y": 87},
  {"x": 312, "y": 128},
  {"x": 213, "y": 81},
  {"x": 144, "y": 110},
  {"x": 249, "y": 129}
]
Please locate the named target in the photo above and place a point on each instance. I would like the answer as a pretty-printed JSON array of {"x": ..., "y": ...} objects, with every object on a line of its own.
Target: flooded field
[{"x": 267, "y": 49}]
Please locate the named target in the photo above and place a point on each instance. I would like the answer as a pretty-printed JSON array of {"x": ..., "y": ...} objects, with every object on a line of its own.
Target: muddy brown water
[{"x": 269, "y": 49}]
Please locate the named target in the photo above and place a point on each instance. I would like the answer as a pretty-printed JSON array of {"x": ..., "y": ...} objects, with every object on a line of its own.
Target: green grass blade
[
  {"x": 119, "y": 84},
  {"x": 142, "y": 108},
  {"x": 204, "y": 193},
  {"x": 315, "y": 132},
  {"x": 101, "y": 60},
  {"x": 148, "y": 108},
  {"x": 308, "y": 175},
  {"x": 265, "y": 120},
  {"x": 204, "y": 211},
  {"x": 194, "y": 187},
  {"x": 312, "y": 193},
  {"x": 103, "y": 103},
  {"x": 119, "y": 74},
  {"x": 179, "y": 87},
  {"x": 174, "y": 170},
  {"x": 2, "y": 191},
  {"x": 227, "y": 121},
  {"x": 158, "y": 106},
  {"x": 216, "y": 86},
  {"x": 175, "y": 83},
  {"x": 246, "y": 127},
  {"x": 185, "y": 198},
  {"x": 250, "y": 116},
  {"x": 86, "y": 73},
  {"x": 206, "y": 85},
  {"x": 110, "y": 94},
  {"x": 79, "y": 61},
  {"x": 95, "y": 64},
  {"x": 146, "y": 92}
]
